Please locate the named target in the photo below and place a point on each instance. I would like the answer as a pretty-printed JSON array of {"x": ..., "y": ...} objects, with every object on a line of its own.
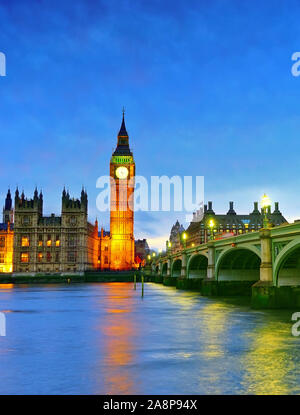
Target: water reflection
[
  {"x": 6, "y": 286},
  {"x": 119, "y": 333},
  {"x": 269, "y": 364},
  {"x": 214, "y": 322},
  {"x": 111, "y": 341}
]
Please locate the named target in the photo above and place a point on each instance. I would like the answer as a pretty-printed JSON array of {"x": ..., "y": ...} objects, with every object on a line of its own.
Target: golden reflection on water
[
  {"x": 214, "y": 316},
  {"x": 269, "y": 364},
  {"x": 119, "y": 333},
  {"x": 186, "y": 300},
  {"x": 6, "y": 286}
]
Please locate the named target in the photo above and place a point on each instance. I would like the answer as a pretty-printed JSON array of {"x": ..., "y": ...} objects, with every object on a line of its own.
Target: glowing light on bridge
[{"x": 265, "y": 202}]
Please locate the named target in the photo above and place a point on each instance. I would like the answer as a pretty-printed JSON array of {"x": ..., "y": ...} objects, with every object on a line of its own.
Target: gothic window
[
  {"x": 40, "y": 243},
  {"x": 105, "y": 260},
  {"x": 48, "y": 257},
  {"x": 2, "y": 258},
  {"x": 72, "y": 221},
  {"x": 24, "y": 257},
  {"x": 106, "y": 248},
  {"x": 40, "y": 257},
  {"x": 2, "y": 242},
  {"x": 57, "y": 257},
  {"x": 49, "y": 241},
  {"x": 72, "y": 241},
  {"x": 26, "y": 220},
  {"x": 24, "y": 241},
  {"x": 71, "y": 256}
]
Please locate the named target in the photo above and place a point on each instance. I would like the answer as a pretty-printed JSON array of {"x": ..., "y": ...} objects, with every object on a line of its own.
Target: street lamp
[
  {"x": 184, "y": 237},
  {"x": 266, "y": 203},
  {"x": 211, "y": 225}
]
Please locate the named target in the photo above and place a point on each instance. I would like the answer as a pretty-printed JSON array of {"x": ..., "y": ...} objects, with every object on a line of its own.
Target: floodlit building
[{"x": 33, "y": 243}]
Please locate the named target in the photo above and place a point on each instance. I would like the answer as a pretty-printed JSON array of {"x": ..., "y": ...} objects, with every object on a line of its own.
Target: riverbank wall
[
  {"x": 66, "y": 278},
  {"x": 262, "y": 295}
]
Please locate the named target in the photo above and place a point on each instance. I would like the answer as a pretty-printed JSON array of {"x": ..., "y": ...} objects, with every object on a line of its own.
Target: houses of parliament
[{"x": 33, "y": 243}]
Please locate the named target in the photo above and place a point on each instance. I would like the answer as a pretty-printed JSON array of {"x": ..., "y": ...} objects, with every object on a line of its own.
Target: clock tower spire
[
  {"x": 122, "y": 171},
  {"x": 123, "y": 140}
]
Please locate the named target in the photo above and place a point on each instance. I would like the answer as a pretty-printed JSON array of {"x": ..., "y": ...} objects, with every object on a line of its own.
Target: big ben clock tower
[{"x": 122, "y": 171}]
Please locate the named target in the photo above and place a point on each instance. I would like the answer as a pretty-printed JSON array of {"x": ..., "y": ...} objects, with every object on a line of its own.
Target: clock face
[{"x": 122, "y": 172}]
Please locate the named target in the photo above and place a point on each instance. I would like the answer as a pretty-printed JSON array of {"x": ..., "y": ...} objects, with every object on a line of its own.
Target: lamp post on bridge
[
  {"x": 211, "y": 225},
  {"x": 169, "y": 247},
  {"x": 266, "y": 203},
  {"x": 184, "y": 238}
]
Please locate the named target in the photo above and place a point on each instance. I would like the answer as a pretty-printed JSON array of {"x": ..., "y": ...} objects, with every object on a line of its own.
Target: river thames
[{"x": 106, "y": 339}]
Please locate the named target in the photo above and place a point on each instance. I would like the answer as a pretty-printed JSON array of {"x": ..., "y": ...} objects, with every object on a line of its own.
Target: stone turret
[
  {"x": 28, "y": 210},
  {"x": 8, "y": 213},
  {"x": 209, "y": 210},
  {"x": 71, "y": 204},
  {"x": 231, "y": 211}
]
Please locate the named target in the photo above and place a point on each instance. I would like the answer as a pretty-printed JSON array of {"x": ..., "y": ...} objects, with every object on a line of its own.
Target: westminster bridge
[{"x": 264, "y": 264}]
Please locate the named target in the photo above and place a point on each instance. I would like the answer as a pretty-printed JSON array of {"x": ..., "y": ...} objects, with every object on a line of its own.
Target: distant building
[
  {"x": 230, "y": 224},
  {"x": 141, "y": 250},
  {"x": 175, "y": 235},
  {"x": 104, "y": 250}
]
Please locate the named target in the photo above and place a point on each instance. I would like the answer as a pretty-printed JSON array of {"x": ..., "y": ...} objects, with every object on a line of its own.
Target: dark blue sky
[{"x": 207, "y": 88}]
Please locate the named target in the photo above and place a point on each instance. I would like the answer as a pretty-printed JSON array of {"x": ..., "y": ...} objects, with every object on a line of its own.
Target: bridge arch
[
  {"x": 164, "y": 270},
  {"x": 176, "y": 268},
  {"x": 197, "y": 266},
  {"x": 239, "y": 264},
  {"x": 287, "y": 265}
]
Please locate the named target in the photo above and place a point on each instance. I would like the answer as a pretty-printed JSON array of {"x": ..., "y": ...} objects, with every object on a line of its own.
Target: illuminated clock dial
[{"x": 122, "y": 172}]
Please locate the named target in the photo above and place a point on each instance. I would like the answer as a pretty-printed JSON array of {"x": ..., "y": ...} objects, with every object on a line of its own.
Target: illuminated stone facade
[
  {"x": 6, "y": 247},
  {"x": 47, "y": 244},
  {"x": 117, "y": 248},
  {"x": 33, "y": 243}
]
